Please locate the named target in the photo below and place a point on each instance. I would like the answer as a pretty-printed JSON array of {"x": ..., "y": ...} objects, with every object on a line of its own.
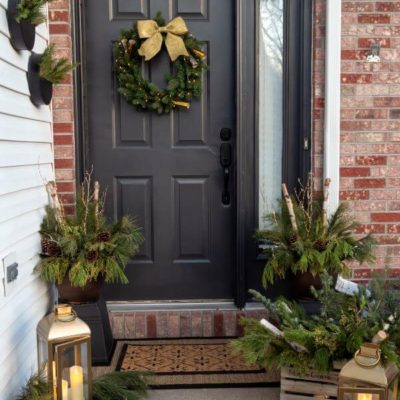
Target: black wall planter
[
  {"x": 41, "y": 89},
  {"x": 22, "y": 35}
]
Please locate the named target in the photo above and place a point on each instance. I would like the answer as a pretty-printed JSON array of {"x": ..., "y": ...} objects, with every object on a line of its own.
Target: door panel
[{"x": 165, "y": 170}]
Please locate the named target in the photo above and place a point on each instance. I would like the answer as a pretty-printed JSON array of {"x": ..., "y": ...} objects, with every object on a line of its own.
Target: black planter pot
[
  {"x": 22, "y": 35},
  {"x": 41, "y": 89}
]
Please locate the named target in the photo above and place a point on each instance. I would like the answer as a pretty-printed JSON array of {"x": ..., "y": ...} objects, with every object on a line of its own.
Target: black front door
[{"x": 166, "y": 170}]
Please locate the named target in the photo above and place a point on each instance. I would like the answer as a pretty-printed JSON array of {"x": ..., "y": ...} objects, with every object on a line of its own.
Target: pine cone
[
  {"x": 320, "y": 245},
  {"x": 103, "y": 236},
  {"x": 51, "y": 248},
  {"x": 292, "y": 238},
  {"x": 91, "y": 256},
  {"x": 45, "y": 245}
]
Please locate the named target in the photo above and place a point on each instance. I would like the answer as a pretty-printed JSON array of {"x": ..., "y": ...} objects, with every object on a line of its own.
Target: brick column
[
  {"x": 370, "y": 121},
  {"x": 62, "y": 104}
]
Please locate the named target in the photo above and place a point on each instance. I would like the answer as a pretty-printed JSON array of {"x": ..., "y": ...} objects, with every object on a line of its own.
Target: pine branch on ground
[
  {"x": 36, "y": 388},
  {"x": 345, "y": 323},
  {"x": 127, "y": 385}
]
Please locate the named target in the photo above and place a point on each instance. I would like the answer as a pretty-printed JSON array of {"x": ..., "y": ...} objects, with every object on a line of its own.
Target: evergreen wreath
[{"x": 182, "y": 87}]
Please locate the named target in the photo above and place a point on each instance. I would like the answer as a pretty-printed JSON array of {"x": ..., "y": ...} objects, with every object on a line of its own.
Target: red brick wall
[
  {"x": 370, "y": 120},
  {"x": 60, "y": 36}
]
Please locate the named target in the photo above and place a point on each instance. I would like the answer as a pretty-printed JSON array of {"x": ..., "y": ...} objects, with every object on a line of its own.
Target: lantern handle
[{"x": 367, "y": 365}]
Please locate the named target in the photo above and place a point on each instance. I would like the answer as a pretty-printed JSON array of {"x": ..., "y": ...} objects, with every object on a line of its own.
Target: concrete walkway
[{"x": 216, "y": 394}]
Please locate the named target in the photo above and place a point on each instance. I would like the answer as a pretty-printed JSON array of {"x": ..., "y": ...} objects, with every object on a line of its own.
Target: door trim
[{"x": 245, "y": 124}]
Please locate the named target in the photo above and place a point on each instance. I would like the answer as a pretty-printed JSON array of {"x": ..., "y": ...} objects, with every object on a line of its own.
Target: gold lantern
[
  {"x": 64, "y": 353},
  {"x": 365, "y": 377}
]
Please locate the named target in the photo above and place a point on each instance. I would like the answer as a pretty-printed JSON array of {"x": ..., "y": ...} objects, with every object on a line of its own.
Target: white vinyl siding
[{"x": 26, "y": 163}]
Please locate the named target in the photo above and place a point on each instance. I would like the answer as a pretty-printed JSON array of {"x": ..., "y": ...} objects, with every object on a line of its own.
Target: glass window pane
[{"x": 270, "y": 104}]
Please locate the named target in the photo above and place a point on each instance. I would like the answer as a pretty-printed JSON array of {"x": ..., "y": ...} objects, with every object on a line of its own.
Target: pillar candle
[
  {"x": 76, "y": 379},
  {"x": 364, "y": 396},
  {"x": 64, "y": 390}
]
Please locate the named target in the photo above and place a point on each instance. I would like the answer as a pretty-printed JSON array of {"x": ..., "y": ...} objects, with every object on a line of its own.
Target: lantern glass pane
[
  {"x": 42, "y": 352},
  {"x": 73, "y": 371},
  {"x": 361, "y": 396},
  {"x": 393, "y": 390}
]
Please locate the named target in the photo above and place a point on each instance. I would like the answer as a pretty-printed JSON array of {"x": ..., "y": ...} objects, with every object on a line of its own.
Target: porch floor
[{"x": 216, "y": 394}]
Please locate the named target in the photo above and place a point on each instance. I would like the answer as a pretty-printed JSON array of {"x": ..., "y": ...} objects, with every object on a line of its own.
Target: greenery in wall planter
[
  {"x": 22, "y": 32},
  {"x": 45, "y": 70},
  {"x": 306, "y": 242},
  {"x": 31, "y": 11},
  {"x": 80, "y": 252}
]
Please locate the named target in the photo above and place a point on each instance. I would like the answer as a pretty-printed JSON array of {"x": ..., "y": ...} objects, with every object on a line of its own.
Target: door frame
[
  {"x": 297, "y": 131},
  {"x": 245, "y": 123}
]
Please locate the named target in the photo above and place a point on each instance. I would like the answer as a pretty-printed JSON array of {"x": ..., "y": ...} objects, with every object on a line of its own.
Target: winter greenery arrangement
[
  {"x": 304, "y": 239},
  {"x": 127, "y": 385},
  {"x": 31, "y": 11},
  {"x": 182, "y": 87},
  {"x": 85, "y": 247},
  {"x": 54, "y": 69},
  {"x": 307, "y": 343}
]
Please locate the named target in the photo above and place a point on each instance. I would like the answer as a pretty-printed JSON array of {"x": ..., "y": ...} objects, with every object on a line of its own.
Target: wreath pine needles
[{"x": 184, "y": 85}]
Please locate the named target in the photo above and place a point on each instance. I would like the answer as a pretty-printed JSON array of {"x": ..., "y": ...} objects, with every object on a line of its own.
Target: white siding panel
[
  {"x": 26, "y": 165},
  {"x": 26, "y": 177},
  {"x": 13, "y": 78},
  {"x": 13, "y": 128},
  {"x": 37, "y": 200},
  {"x": 13, "y": 103},
  {"x": 14, "y": 154}
]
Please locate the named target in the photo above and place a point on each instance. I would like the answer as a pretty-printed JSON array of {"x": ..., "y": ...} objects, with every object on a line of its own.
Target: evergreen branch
[{"x": 54, "y": 69}]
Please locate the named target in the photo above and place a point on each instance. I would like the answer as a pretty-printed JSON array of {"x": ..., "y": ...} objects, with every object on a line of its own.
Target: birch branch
[
  {"x": 278, "y": 333},
  {"x": 55, "y": 201},
  {"x": 325, "y": 203},
  {"x": 289, "y": 204}
]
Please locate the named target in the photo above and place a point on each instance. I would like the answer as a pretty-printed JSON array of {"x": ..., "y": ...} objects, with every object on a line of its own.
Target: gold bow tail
[{"x": 175, "y": 45}]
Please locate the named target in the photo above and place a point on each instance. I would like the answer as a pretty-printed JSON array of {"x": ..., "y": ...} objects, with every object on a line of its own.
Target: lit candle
[
  {"x": 76, "y": 379},
  {"x": 54, "y": 374},
  {"x": 64, "y": 390},
  {"x": 364, "y": 396}
]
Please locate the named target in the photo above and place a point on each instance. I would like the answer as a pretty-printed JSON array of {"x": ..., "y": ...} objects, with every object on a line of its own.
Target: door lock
[{"x": 225, "y": 153}]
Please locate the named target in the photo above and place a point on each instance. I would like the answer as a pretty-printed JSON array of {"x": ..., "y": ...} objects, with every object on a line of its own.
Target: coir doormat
[{"x": 192, "y": 363}]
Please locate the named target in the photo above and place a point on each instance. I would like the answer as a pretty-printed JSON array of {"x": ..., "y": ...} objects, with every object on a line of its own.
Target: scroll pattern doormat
[{"x": 192, "y": 363}]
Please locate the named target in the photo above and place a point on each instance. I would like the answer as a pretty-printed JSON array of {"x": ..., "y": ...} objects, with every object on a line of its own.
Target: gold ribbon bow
[{"x": 150, "y": 30}]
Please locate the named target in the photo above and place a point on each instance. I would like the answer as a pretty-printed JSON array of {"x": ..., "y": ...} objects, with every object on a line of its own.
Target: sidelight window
[
  {"x": 270, "y": 120},
  {"x": 284, "y": 98}
]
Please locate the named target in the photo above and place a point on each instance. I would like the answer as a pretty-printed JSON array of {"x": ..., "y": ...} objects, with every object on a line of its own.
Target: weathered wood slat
[
  {"x": 303, "y": 387},
  {"x": 308, "y": 387},
  {"x": 288, "y": 396}
]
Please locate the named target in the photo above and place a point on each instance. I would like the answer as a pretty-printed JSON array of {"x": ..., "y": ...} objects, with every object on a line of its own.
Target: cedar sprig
[
  {"x": 54, "y": 69},
  {"x": 31, "y": 11}
]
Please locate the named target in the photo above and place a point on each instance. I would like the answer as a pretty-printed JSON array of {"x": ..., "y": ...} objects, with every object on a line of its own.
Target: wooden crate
[{"x": 310, "y": 385}]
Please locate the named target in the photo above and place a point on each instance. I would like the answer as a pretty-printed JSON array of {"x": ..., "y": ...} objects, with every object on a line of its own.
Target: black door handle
[{"x": 225, "y": 154}]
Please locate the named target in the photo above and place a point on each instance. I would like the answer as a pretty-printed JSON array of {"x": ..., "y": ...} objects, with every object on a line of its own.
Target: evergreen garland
[
  {"x": 85, "y": 246},
  {"x": 317, "y": 244},
  {"x": 182, "y": 87},
  {"x": 346, "y": 322}
]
